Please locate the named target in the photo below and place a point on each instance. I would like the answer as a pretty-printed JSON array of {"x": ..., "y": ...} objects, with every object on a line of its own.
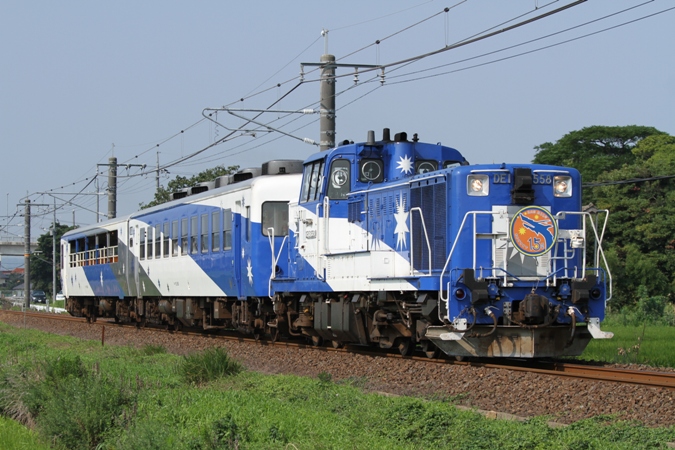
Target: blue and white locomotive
[{"x": 392, "y": 243}]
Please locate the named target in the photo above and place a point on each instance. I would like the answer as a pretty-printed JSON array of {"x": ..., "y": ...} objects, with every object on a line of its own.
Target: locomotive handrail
[
  {"x": 454, "y": 244},
  {"x": 559, "y": 216},
  {"x": 426, "y": 236},
  {"x": 318, "y": 243},
  {"x": 270, "y": 237},
  {"x": 598, "y": 238}
]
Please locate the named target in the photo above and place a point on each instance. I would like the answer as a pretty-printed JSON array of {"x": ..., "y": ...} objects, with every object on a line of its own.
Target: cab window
[{"x": 311, "y": 181}]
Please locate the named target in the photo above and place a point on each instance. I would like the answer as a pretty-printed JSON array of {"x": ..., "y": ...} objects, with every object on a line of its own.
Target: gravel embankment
[{"x": 521, "y": 394}]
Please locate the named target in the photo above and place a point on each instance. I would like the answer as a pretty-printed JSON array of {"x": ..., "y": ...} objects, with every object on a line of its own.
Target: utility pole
[
  {"x": 26, "y": 253},
  {"x": 97, "y": 201},
  {"x": 112, "y": 188},
  {"x": 327, "y": 92},
  {"x": 54, "y": 254},
  {"x": 26, "y": 257},
  {"x": 327, "y": 103},
  {"x": 157, "y": 188},
  {"x": 112, "y": 185}
]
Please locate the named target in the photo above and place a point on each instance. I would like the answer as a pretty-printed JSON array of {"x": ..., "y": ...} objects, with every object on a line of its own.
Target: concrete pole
[
  {"x": 157, "y": 188},
  {"x": 327, "y": 103},
  {"x": 26, "y": 257},
  {"x": 98, "y": 216},
  {"x": 54, "y": 254},
  {"x": 112, "y": 188}
]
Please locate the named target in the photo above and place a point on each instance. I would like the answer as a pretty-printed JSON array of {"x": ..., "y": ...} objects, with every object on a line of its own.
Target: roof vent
[
  {"x": 282, "y": 166},
  {"x": 245, "y": 174},
  {"x": 201, "y": 187},
  {"x": 179, "y": 194},
  {"x": 223, "y": 180}
]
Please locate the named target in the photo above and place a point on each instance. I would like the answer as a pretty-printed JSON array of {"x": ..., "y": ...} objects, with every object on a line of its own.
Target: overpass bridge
[{"x": 15, "y": 248}]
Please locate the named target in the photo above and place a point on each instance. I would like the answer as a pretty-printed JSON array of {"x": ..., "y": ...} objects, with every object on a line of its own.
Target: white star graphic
[
  {"x": 401, "y": 229},
  {"x": 249, "y": 272},
  {"x": 405, "y": 164}
]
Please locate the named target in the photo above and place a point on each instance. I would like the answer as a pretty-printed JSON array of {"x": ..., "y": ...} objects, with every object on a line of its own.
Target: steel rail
[{"x": 556, "y": 368}]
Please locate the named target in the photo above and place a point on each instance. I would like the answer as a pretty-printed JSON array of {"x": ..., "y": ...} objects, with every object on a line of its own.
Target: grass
[
  {"x": 78, "y": 394},
  {"x": 634, "y": 344},
  {"x": 14, "y": 436}
]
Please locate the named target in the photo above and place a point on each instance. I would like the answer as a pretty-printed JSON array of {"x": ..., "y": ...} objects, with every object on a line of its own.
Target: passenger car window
[{"x": 275, "y": 215}]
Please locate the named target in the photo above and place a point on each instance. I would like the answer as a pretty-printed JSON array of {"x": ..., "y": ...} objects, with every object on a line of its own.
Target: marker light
[
  {"x": 477, "y": 185},
  {"x": 562, "y": 186}
]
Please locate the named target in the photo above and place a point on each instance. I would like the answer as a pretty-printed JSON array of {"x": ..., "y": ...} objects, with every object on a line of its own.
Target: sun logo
[{"x": 534, "y": 231}]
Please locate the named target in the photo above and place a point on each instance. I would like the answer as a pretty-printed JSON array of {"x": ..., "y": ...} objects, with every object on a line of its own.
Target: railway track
[{"x": 550, "y": 368}]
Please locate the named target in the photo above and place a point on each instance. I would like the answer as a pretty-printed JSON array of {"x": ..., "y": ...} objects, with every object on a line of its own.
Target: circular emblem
[{"x": 533, "y": 231}]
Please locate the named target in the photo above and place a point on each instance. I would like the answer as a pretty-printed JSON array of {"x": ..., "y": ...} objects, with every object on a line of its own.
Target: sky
[{"x": 83, "y": 81}]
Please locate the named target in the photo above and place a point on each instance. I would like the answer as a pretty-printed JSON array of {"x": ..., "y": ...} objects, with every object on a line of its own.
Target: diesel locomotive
[{"x": 392, "y": 243}]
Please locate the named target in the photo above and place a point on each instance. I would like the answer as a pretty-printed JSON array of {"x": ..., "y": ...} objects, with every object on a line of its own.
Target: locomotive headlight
[
  {"x": 477, "y": 185},
  {"x": 562, "y": 186}
]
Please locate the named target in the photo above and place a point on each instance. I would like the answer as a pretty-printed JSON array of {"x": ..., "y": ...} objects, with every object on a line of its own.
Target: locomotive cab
[{"x": 402, "y": 243}]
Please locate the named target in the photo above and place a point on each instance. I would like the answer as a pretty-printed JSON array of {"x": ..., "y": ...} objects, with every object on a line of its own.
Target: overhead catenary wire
[{"x": 402, "y": 62}]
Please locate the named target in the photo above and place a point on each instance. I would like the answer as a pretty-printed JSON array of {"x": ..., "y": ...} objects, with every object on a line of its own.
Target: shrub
[
  {"x": 209, "y": 365},
  {"x": 79, "y": 411}
]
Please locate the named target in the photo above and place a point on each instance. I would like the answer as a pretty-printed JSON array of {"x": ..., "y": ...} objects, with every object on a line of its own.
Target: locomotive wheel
[
  {"x": 274, "y": 334},
  {"x": 178, "y": 326},
  {"x": 336, "y": 344},
  {"x": 316, "y": 341},
  {"x": 256, "y": 334},
  {"x": 430, "y": 350},
  {"x": 405, "y": 346}
]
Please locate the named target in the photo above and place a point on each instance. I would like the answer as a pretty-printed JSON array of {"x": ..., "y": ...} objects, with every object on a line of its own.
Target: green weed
[{"x": 208, "y": 365}]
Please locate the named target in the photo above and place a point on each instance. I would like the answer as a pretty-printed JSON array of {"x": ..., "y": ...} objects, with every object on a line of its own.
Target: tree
[
  {"x": 41, "y": 260},
  {"x": 641, "y": 230},
  {"x": 163, "y": 195},
  {"x": 594, "y": 150}
]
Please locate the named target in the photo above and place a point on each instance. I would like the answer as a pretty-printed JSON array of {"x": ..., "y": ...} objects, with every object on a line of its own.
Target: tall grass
[
  {"x": 81, "y": 395},
  {"x": 208, "y": 365}
]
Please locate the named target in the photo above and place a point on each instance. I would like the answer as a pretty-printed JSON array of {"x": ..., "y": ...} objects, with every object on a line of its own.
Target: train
[{"x": 391, "y": 243}]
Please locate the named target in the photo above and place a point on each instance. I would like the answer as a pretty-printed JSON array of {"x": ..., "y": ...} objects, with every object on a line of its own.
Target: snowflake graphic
[
  {"x": 401, "y": 229},
  {"x": 405, "y": 164},
  {"x": 249, "y": 272}
]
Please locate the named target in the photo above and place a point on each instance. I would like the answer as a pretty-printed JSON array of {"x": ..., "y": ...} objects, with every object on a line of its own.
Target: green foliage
[
  {"x": 594, "y": 150},
  {"x": 163, "y": 195},
  {"x": 150, "y": 350},
  {"x": 634, "y": 342},
  {"x": 14, "y": 436},
  {"x": 80, "y": 411},
  {"x": 209, "y": 365},
  {"x": 325, "y": 377},
  {"x": 41, "y": 261}
]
